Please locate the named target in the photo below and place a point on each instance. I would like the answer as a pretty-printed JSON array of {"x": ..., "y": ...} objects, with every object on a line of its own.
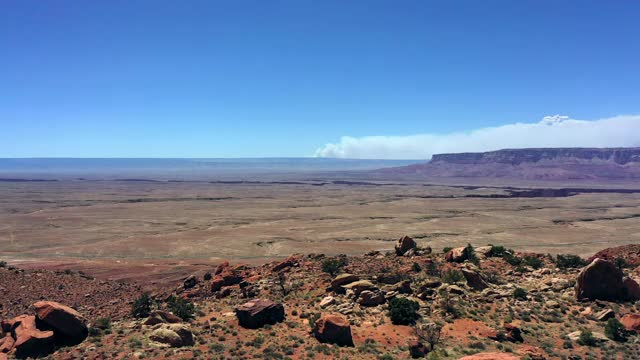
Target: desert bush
[
  {"x": 429, "y": 333},
  {"x": 416, "y": 267},
  {"x": 569, "y": 261},
  {"x": 614, "y": 330},
  {"x": 334, "y": 265},
  {"x": 446, "y": 249},
  {"x": 141, "y": 306},
  {"x": 586, "y": 338},
  {"x": 532, "y": 261},
  {"x": 470, "y": 254},
  {"x": 207, "y": 276},
  {"x": 3, "y": 264},
  {"x": 520, "y": 293},
  {"x": 432, "y": 269},
  {"x": 512, "y": 259},
  {"x": 452, "y": 276},
  {"x": 499, "y": 251},
  {"x": 181, "y": 308},
  {"x": 403, "y": 311},
  {"x": 621, "y": 263}
]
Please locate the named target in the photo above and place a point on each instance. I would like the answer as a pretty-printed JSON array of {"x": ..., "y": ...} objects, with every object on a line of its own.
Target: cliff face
[
  {"x": 619, "y": 156},
  {"x": 532, "y": 164}
]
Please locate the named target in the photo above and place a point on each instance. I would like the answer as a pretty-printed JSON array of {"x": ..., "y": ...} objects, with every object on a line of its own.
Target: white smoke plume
[{"x": 552, "y": 131}]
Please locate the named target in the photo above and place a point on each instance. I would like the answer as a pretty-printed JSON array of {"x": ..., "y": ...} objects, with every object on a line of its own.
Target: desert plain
[{"x": 162, "y": 230}]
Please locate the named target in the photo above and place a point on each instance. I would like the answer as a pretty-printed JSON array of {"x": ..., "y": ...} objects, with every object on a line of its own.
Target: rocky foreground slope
[
  {"x": 465, "y": 303},
  {"x": 532, "y": 164}
]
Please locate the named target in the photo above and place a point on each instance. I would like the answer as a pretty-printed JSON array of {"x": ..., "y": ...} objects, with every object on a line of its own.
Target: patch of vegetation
[
  {"x": 403, "y": 311},
  {"x": 586, "y": 338},
  {"x": 569, "y": 261},
  {"x": 3, "y": 264},
  {"x": 181, "y": 308},
  {"x": 470, "y": 254},
  {"x": 446, "y": 249},
  {"x": 499, "y": 251},
  {"x": 533, "y": 262},
  {"x": 520, "y": 293},
  {"x": 334, "y": 265},
  {"x": 614, "y": 330},
  {"x": 452, "y": 276},
  {"x": 141, "y": 307}
]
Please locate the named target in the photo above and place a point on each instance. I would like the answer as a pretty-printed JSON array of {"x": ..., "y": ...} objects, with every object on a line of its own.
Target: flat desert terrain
[{"x": 158, "y": 227}]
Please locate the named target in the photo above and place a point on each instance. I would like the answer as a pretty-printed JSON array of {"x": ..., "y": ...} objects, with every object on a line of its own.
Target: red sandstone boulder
[
  {"x": 631, "y": 322},
  {"x": 6, "y": 343},
  {"x": 69, "y": 325},
  {"x": 631, "y": 289},
  {"x": 159, "y": 317},
  {"x": 405, "y": 244},
  {"x": 287, "y": 263},
  {"x": 29, "y": 341},
  {"x": 334, "y": 329},
  {"x": 257, "y": 313},
  {"x": 227, "y": 277},
  {"x": 221, "y": 267},
  {"x": 600, "y": 280},
  {"x": 456, "y": 255}
]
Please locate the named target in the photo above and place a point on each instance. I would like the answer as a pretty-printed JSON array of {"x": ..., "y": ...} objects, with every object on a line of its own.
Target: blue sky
[{"x": 284, "y": 78}]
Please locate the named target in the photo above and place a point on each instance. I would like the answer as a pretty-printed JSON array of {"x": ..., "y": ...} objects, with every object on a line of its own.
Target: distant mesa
[{"x": 531, "y": 164}]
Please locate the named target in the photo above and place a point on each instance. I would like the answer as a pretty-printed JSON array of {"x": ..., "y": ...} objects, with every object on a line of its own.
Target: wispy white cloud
[{"x": 552, "y": 131}]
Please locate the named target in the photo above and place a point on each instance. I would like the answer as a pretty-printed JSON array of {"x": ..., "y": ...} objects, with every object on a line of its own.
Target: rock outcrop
[
  {"x": 631, "y": 322},
  {"x": 334, "y": 329},
  {"x": 69, "y": 325},
  {"x": 404, "y": 245},
  {"x": 173, "y": 335},
  {"x": 257, "y": 313},
  {"x": 600, "y": 280}
]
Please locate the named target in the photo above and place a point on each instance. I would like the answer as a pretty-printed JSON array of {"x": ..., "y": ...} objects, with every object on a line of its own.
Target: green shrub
[
  {"x": 452, "y": 276},
  {"x": 621, "y": 263},
  {"x": 569, "y": 261},
  {"x": 614, "y": 330},
  {"x": 333, "y": 266},
  {"x": 470, "y": 254},
  {"x": 533, "y": 261},
  {"x": 586, "y": 338},
  {"x": 446, "y": 249},
  {"x": 181, "y": 308},
  {"x": 403, "y": 311},
  {"x": 3, "y": 264},
  {"x": 141, "y": 306},
  {"x": 498, "y": 251},
  {"x": 512, "y": 259},
  {"x": 416, "y": 267},
  {"x": 520, "y": 293}
]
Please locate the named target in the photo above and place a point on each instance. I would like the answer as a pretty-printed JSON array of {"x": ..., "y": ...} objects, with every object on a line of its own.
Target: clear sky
[{"x": 283, "y": 78}]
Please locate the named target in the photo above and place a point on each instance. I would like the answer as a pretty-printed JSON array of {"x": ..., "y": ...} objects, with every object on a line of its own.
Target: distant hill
[{"x": 531, "y": 164}]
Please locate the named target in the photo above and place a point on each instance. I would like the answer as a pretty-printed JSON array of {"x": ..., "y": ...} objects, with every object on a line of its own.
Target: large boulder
[
  {"x": 6, "y": 343},
  {"x": 291, "y": 261},
  {"x": 456, "y": 255},
  {"x": 600, "y": 280},
  {"x": 474, "y": 278},
  {"x": 343, "y": 279},
  {"x": 405, "y": 244},
  {"x": 174, "y": 335},
  {"x": 257, "y": 313},
  {"x": 29, "y": 340},
  {"x": 160, "y": 317},
  {"x": 631, "y": 289},
  {"x": 69, "y": 325},
  {"x": 359, "y": 286},
  {"x": 631, "y": 322},
  {"x": 334, "y": 329},
  {"x": 228, "y": 277},
  {"x": 190, "y": 282},
  {"x": 371, "y": 298}
]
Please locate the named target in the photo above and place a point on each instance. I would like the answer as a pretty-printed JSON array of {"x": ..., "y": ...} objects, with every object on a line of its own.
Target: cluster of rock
[
  {"x": 603, "y": 280},
  {"x": 53, "y": 325}
]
